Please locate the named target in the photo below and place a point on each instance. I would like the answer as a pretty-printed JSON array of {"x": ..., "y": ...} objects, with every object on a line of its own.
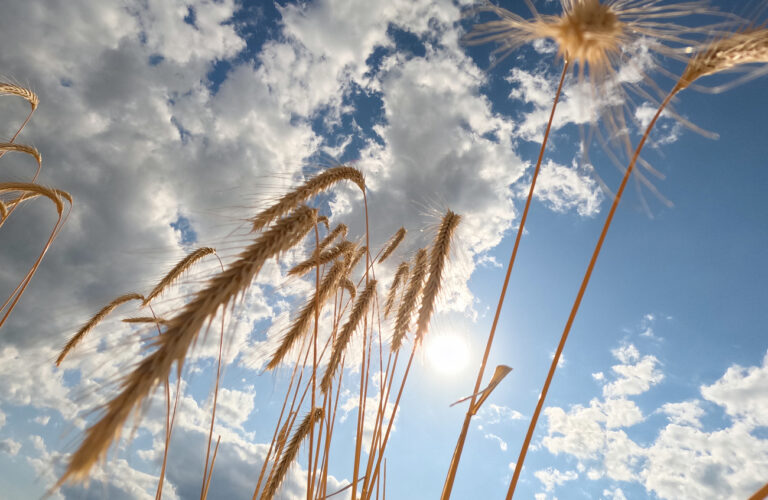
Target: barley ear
[
  {"x": 392, "y": 244},
  {"x": 291, "y": 451},
  {"x": 409, "y": 300},
  {"x": 312, "y": 187},
  {"x": 441, "y": 248},
  {"x": 177, "y": 271},
  {"x": 345, "y": 335},
  {"x": 95, "y": 320}
]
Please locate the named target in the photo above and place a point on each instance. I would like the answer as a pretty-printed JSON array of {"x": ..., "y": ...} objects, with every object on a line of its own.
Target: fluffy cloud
[
  {"x": 684, "y": 461},
  {"x": 741, "y": 391},
  {"x": 10, "y": 447},
  {"x": 551, "y": 477}
]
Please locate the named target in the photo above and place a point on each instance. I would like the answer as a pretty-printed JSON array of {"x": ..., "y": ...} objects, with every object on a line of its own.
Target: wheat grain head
[
  {"x": 410, "y": 299},
  {"x": 400, "y": 276},
  {"x": 28, "y": 95},
  {"x": 177, "y": 271},
  {"x": 180, "y": 334},
  {"x": 392, "y": 244}
]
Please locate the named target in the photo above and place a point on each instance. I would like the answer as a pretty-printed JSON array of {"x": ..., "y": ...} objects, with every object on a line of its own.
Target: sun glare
[{"x": 447, "y": 353}]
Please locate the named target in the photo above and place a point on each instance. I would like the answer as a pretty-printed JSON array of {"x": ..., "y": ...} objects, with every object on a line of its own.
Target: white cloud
[
  {"x": 551, "y": 477},
  {"x": 684, "y": 413},
  {"x": 494, "y": 437},
  {"x": 636, "y": 374},
  {"x": 742, "y": 392},
  {"x": 495, "y": 414},
  {"x": 563, "y": 189},
  {"x": 10, "y": 447}
]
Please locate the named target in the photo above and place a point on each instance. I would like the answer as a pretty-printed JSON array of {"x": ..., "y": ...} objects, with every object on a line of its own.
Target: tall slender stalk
[
  {"x": 448, "y": 486},
  {"x": 580, "y": 295}
]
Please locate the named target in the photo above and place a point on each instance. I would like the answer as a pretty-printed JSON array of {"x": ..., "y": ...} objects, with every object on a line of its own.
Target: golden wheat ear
[
  {"x": 177, "y": 271},
  {"x": 26, "y": 94},
  {"x": 309, "y": 189},
  {"x": 343, "y": 249},
  {"x": 95, "y": 320},
  {"x": 180, "y": 334},
  {"x": 400, "y": 276},
  {"x": 358, "y": 312},
  {"x": 410, "y": 299},
  {"x": 339, "y": 231},
  {"x": 291, "y": 451},
  {"x": 438, "y": 255},
  {"x": 392, "y": 244}
]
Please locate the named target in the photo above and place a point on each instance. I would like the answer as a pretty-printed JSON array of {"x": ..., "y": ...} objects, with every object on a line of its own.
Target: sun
[{"x": 447, "y": 353}]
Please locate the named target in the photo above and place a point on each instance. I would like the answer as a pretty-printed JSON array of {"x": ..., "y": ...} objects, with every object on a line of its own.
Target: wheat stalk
[
  {"x": 392, "y": 244},
  {"x": 146, "y": 319},
  {"x": 95, "y": 320},
  {"x": 400, "y": 276},
  {"x": 177, "y": 271},
  {"x": 300, "y": 325},
  {"x": 343, "y": 249},
  {"x": 312, "y": 187},
  {"x": 291, "y": 451},
  {"x": 438, "y": 254},
  {"x": 345, "y": 335},
  {"x": 409, "y": 300},
  {"x": 180, "y": 334}
]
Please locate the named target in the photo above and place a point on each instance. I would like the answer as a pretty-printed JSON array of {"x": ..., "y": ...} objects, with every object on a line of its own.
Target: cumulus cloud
[
  {"x": 10, "y": 447},
  {"x": 741, "y": 391},
  {"x": 684, "y": 461},
  {"x": 551, "y": 477}
]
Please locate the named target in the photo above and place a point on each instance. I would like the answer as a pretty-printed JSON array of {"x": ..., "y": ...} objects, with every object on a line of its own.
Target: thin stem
[
  {"x": 580, "y": 295},
  {"x": 448, "y": 486}
]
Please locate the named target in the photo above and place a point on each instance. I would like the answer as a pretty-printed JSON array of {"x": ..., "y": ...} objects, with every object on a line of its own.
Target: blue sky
[{"x": 170, "y": 123}]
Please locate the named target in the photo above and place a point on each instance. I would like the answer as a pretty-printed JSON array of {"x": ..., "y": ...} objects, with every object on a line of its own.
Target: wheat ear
[
  {"x": 356, "y": 257},
  {"x": 177, "y": 271},
  {"x": 400, "y": 276},
  {"x": 392, "y": 244},
  {"x": 181, "y": 333},
  {"x": 95, "y": 320},
  {"x": 3, "y": 211},
  {"x": 347, "y": 284},
  {"x": 28, "y": 95},
  {"x": 745, "y": 47},
  {"x": 22, "y": 148},
  {"x": 338, "y": 231},
  {"x": 312, "y": 187},
  {"x": 327, "y": 287},
  {"x": 343, "y": 249},
  {"x": 441, "y": 247},
  {"x": 291, "y": 451},
  {"x": 345, "y": 335},
  {"x": 409, "y": 300}
]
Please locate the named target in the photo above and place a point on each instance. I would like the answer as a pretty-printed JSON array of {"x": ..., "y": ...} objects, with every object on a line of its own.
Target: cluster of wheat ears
[{"x": 593, "y": 36}]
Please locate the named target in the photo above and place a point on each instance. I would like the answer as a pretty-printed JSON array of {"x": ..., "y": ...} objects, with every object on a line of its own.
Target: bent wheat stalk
[{"x": 181, "y": 334}]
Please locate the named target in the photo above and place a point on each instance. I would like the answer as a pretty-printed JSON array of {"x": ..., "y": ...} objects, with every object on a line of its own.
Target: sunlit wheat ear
[
  {"x": 312, "y": 187},
  {"x": 57, "y": 196},
  {"x": 339, "y": 231},
  {"x": 28, "y": 95},
  {"x": 177, "y": 271},
  {"x": 180, "y": 334},
  {"x": 392, "y": 244},
  {"x": 400, "y": 276},
  {"x": 343, "y": 249},
  {"x": 328, "y": 286},
  {"x": 345, "y": 335},
  {"x": 347, "y": 284},
  {"x": 291, "y": 451},
  {"x": 322, "y": 219},
  {"x": 746, "y": 47},
  {"x": 438, "y": 255},
  {"x": 357, "y": 257},
  {"x": 95, "y": 320},
  {"x": 22, "y": 148},
  {"x": 410, "y": 299}
]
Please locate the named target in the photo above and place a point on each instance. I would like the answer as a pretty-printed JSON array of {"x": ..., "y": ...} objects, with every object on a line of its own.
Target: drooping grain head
[
  {"x": 309, "y": 189},
  {"x": 745, "y": 47},
  {"x": 28, "y": 95}
]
